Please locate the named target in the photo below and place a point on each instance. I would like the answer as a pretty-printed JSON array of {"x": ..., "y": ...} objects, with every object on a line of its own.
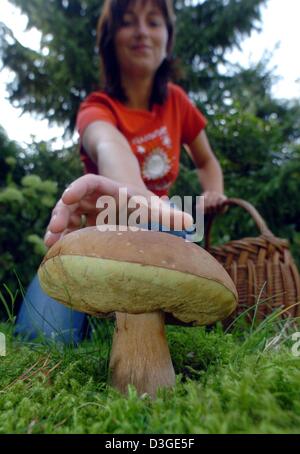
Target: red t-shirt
[{"x": 155, "y": 137}]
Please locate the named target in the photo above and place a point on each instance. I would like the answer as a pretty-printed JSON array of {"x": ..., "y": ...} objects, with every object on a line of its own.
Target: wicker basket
[{"x": 262, "y": 269}]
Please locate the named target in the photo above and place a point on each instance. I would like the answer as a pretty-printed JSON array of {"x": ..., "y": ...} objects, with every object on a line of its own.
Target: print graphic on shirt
[
  {"x": 156, "y": 164},
  {"x": 161, "y": 133},
  {"x": 141, "y": 149},
  {"x": 154, "y": 152}
]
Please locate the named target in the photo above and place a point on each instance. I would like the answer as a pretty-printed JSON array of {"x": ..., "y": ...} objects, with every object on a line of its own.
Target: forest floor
[{"x": 245, "y": 380}]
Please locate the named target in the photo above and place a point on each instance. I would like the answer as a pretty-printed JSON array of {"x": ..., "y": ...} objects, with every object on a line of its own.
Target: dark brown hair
[{"x": 109, "y": 22}]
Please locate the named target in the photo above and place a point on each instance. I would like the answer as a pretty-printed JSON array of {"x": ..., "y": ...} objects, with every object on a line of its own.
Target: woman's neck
[{"x": 138, "y": 92}]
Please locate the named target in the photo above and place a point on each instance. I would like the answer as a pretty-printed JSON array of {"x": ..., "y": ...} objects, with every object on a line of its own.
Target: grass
[{"x": 243, "y": 381}]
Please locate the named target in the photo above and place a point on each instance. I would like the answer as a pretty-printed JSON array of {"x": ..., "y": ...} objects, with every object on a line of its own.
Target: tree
[
  {"x": 62, "y": 165},
  {"x": 53, "y": 81},
  {"x": 255, "y": 136},
  {"x": 30, "y": 182},
  {"x": 10, "y": 168}
]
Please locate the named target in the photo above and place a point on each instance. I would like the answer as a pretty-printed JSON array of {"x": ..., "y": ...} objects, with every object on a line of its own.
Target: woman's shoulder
[
  {"x": 96, "y": 97},
  {"x": 176, "y": 91}
]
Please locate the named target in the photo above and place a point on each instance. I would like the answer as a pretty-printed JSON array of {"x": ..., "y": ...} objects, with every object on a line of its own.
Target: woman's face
[{"x": 141, "y": 41}]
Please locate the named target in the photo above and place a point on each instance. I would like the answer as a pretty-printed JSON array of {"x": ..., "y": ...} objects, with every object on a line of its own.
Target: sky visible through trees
[{"x": 252, "y": 49}]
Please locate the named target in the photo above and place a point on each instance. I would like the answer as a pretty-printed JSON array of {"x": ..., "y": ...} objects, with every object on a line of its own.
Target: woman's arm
[
  {"x": 209, "y": 171},
  {"x": 110, "y": 150}
]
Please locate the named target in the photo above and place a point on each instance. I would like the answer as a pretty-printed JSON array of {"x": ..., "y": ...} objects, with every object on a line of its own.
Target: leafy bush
[
  {"x": 261, "y": 166},
  {"x": 24, "y": 210},
  {"x": 30, "y": 182}
]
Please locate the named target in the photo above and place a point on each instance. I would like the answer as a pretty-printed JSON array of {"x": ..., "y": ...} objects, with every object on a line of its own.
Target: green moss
[{"x": 226, "y": 383}]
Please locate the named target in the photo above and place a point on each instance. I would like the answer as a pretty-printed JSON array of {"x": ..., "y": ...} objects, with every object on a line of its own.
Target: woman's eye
[
  {"x": 126, "y": 21},
  {"x": 154, "y": 23}
]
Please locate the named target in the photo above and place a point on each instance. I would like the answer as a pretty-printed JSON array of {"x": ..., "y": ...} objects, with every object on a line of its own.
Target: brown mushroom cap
[{"x": 137, "y": 272}]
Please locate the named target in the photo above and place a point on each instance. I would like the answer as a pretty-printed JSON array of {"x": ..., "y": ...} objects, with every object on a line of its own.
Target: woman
[{"x": 131, "y": 133}]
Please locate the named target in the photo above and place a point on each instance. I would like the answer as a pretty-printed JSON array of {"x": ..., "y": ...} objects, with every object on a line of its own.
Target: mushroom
[{"x": 141, "y": 276}]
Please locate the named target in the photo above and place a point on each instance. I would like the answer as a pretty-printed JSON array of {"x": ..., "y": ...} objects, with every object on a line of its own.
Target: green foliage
[
  {"x": 204, "y": 32},
  {"x": 10, "y": 168},
  {"x": 24, "y": 209},
  {"x": 243, "y": 382},
  {"x": 61, "y": 165},
  {"x": 255, "y": 136},
  {"x": 259, "y": 156},
  {"x": 260, "y": 165},
  {"x": 53, "y": 81},
  {"x": 28, "y": 193}
]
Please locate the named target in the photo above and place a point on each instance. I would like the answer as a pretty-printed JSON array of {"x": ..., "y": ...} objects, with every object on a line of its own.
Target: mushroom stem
[{"x": 140, "y": 354}]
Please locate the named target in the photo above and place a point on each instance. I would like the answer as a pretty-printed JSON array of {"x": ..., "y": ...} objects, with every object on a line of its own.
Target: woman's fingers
[
  {"x": 50, "y": 238},
  {"x": 60, "y": 217},
  {"x": 87, "y": 189},
  {"x": 81, "y": 198},
  {"x": 173, "y": 217},
  {"x": 213, "y": 202},
  {"x": 89, "y": 185}
]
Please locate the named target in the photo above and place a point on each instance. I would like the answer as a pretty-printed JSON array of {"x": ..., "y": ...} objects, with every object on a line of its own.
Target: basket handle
[{"x": 262, "y": 226}]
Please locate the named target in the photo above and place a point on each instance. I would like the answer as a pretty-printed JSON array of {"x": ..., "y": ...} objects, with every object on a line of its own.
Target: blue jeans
[{"x": 40, "y": 315}]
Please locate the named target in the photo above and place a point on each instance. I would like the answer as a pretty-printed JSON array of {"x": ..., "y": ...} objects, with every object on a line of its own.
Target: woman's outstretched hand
[{"x": 81, "y": 197}]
